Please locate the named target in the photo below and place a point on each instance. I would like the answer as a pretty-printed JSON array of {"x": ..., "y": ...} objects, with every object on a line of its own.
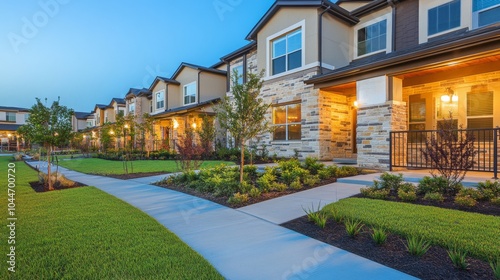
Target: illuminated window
[{"x": 287, "y": 122}]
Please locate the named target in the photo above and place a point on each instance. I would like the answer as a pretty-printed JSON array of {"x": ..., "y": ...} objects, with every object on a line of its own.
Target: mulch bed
[
  {"x": 39, "y": 187},
  {"x": 435, "y": 264},
  {"x": 251, "y": 200}
]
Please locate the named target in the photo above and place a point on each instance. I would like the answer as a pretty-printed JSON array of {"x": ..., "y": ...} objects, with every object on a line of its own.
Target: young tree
[
  {"x": 189, "y": 156},
  {"x": 244, "y": 115},
  {"x": 48, "y": 126},
  {"x": 207, "y": 134}
]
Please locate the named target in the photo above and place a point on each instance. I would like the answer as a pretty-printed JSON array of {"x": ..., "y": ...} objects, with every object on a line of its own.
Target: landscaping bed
[
  {"x": 222, "y": 185},
  {"x": 435, "y": 264}
]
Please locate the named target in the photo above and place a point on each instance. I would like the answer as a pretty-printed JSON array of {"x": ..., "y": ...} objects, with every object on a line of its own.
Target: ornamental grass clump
[
  {"x": 417, "y": 246},
  {"x": 379, "y": 236},
  {"x": 317, "y": 216},
  {"x": 353, "y": 227},
  {"x": 458, "y": 258},
  {"x": 495, "y": 265}
]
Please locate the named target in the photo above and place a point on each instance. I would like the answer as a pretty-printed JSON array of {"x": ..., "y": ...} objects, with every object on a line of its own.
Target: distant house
[{"x": 11, "y": 118}]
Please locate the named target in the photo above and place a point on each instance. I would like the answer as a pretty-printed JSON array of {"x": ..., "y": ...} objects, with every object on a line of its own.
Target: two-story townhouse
[
  {"x": 138, "y": 102},
  {"x": 180, "y": 101},
  {"x": 289, "y": 44},
  {"x": 80, "y": 121},
  {"x": 411, "y": 63},
  {"x": 11, "y": 118}
]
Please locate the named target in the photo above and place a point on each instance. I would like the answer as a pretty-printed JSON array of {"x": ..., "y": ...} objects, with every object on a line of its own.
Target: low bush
[
  {"x": 238, "y": 198},
  {"x": 407, "y": 195},
  {"x": 346, "y": 171},
  {"x": 495, "y": 201},
  {"x": 489, "y": 189},
  {"x": 311, "y": 180},
  {"x": 296, "y": 185},
  {"x": 312, "y": 165},
  {"x": 434, "y": 196},
  {"x": 436, "y": 184},
  {"x": 279, "y": 187},
  {"x": 266, "y": 181},
  {"x": 466, "y": 201},
  {"x": 375, "y": 193},
  {"x": 474, "y": 193},
  {"x": 389, "y": 181},
  {"x": 254, "y": 192}
]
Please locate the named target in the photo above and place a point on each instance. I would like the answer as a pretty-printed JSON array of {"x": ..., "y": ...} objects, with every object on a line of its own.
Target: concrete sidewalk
[{"x": 239, "y": 245}]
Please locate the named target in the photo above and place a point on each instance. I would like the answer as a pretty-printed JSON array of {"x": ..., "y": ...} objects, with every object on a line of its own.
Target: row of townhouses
[{"x": 344, "y": 76}]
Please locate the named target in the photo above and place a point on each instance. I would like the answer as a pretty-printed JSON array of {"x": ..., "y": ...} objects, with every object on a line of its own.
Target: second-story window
[
  {"x": 160, "y": 100},
  {"x": 106, "y": 117},
  {"x": 131, "y": 108},
  {"x": 239, "y": 71},
  {"x": 443, "y": 17},
  {"x": 11, "y": 117},
  {"x": 485, "y": 12},
  {"x": 190, "y": 94},
  {"x": 287, "y": 52},
  {"x": 372, "y": 38}
]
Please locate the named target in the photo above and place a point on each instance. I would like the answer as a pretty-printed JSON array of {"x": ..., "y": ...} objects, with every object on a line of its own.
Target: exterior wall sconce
[
  {"x": 111, "y": 132},
  {"x": 193, "y": 125},
  {"x": 176, "y": 124},
  {"x": 450, "y": 96},
  {"x": 355, "y": 104}
]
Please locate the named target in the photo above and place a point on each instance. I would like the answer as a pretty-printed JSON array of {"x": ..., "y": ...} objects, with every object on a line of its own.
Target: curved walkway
[{"x": 238, "y": 244}]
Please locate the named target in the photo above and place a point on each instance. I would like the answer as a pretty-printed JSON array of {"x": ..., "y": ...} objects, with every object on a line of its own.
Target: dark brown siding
[{"x": 406, "y": 25}]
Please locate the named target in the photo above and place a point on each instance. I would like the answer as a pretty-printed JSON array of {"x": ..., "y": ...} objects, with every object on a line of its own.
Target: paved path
[{"x": 239, "y": 245}]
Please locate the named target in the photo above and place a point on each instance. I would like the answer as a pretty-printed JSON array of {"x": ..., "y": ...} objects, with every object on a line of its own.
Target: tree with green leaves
[
  {"x": 207, "y": 134},
  {"x": 243, "y": 114},
  {"x": 50, "y": 127}
]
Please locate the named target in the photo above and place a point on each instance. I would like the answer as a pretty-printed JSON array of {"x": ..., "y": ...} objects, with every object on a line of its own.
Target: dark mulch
[
  {"x": 132, "y": 176},
  {"x": 223, "y": 200},
  {"x": 435, "y": 264},
  {"x": 39, "y": 187},
  {"x": 482, "y": 207}
]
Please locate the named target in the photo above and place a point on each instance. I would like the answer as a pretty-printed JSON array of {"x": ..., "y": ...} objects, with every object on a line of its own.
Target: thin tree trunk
[
  {"x": 242, "y": 145},
  {"x": 49, "y": 152}
]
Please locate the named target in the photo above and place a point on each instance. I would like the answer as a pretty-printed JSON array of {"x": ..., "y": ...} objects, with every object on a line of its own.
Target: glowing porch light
[{"x": 176, "y": 124}]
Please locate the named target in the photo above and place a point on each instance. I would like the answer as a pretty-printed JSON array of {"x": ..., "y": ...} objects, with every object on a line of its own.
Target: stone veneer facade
[{"x": 373, "y": 132}]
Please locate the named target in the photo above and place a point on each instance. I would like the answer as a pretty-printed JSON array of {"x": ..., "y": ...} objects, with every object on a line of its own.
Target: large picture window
[
  {"x": 480, "y": 113},
  {"x": 287, "y": 52},
  {"x": 190, "y": 94},
  {"x": 160, "y": 100},
  {"x": 287, "y": 122},
  {"x": 372, "y": 38},
  {"x": 443, "y": 17}
]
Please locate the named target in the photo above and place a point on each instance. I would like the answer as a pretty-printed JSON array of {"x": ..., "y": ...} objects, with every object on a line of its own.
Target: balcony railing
[{"x": 406, "y": 148}]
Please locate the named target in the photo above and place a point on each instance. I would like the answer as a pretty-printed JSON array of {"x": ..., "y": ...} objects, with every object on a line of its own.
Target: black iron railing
[{"x": 406, "y": 148}]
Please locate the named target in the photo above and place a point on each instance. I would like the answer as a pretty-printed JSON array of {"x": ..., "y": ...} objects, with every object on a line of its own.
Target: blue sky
[{"x": 88, "y": 52}]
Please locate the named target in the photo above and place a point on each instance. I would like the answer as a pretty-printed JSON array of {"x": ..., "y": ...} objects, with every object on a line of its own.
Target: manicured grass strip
[
  {"x": 101, "y": 166},
  {"x": 476, "y": 233},
  {"x": 85, "y": 233}
]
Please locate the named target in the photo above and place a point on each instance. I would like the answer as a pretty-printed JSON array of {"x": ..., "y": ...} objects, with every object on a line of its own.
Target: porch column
[{"x": 381, "y": 110}]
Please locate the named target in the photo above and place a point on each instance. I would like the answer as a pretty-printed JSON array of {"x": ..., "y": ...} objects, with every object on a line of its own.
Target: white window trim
[
  {"x": 156, "y": 100},
  {"x": 423, "y": 13},
  {"x": 475, "y": 16},
  {"x": 388, "y": 43},
  {"x": 299, "y": 25},
  {"x": 184, "y": 94}
]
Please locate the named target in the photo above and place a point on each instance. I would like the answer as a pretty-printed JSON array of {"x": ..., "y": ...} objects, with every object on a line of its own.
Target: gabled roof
[
  {"x": 239, "y": 52},
  {"x": 119, "y": 101},
  {"x": 82, "y": 115},
  {"x": 334, "y": 10},
  {"x": 197, "y": 67},
  {"x": 163, "y": 79},
  {"x": 138, "y": 92},
  {"x": 7, "y": 108},
  {"x": 100, "y": 106}
]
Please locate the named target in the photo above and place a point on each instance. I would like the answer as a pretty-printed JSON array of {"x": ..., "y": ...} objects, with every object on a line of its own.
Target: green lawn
[
  {"x": 85, "y": 233},
  {"x": 104, "y": 167},
  {"x": 477, "y": 233}
]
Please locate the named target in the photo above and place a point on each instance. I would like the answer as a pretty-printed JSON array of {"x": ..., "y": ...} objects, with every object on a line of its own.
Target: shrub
[
  {"x": 317, "y": 216},
  {"x": 238, "y": 198},
  {"x": 296, "y": 185},
  {"x": 57, "y": 179},
  {"x": 290, "y": 175},
  {"x": 346, "y": 171},
  {"x": 375, "y": 193},
  {"x": 458, "y": 258},
  {"x": 279, "y": 187},
  {"x": 417, "y": 246},
  {"x": 313, "y": 166},
  {"x": 434, "y": 196},
  {"x": 250, "y": 170},
  {"x": 436, "y": 184},
  {"x": 489, "y": 189},
  {"x": 477, "y": 195},
  {"x": 495, "y": 265},
  {"x": 495, "y": 201},
  {"x": 245, "y": 187},
  {"x": 389, "y": 181},
  {"x": 288, "y": 164},
  {"x": 407, "y": 195},
  {"x": 353, "y": 227},
  {"x": 466, "y": 201},
  {"x": 254, "y": 192},
  {"x": 311, "y": 180},
  {"x": 327, "y": 172},
  {"x": 379, "y": 236},
  {"x": 18, "y": 156},
  {"x": 266, "y": 181}
]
